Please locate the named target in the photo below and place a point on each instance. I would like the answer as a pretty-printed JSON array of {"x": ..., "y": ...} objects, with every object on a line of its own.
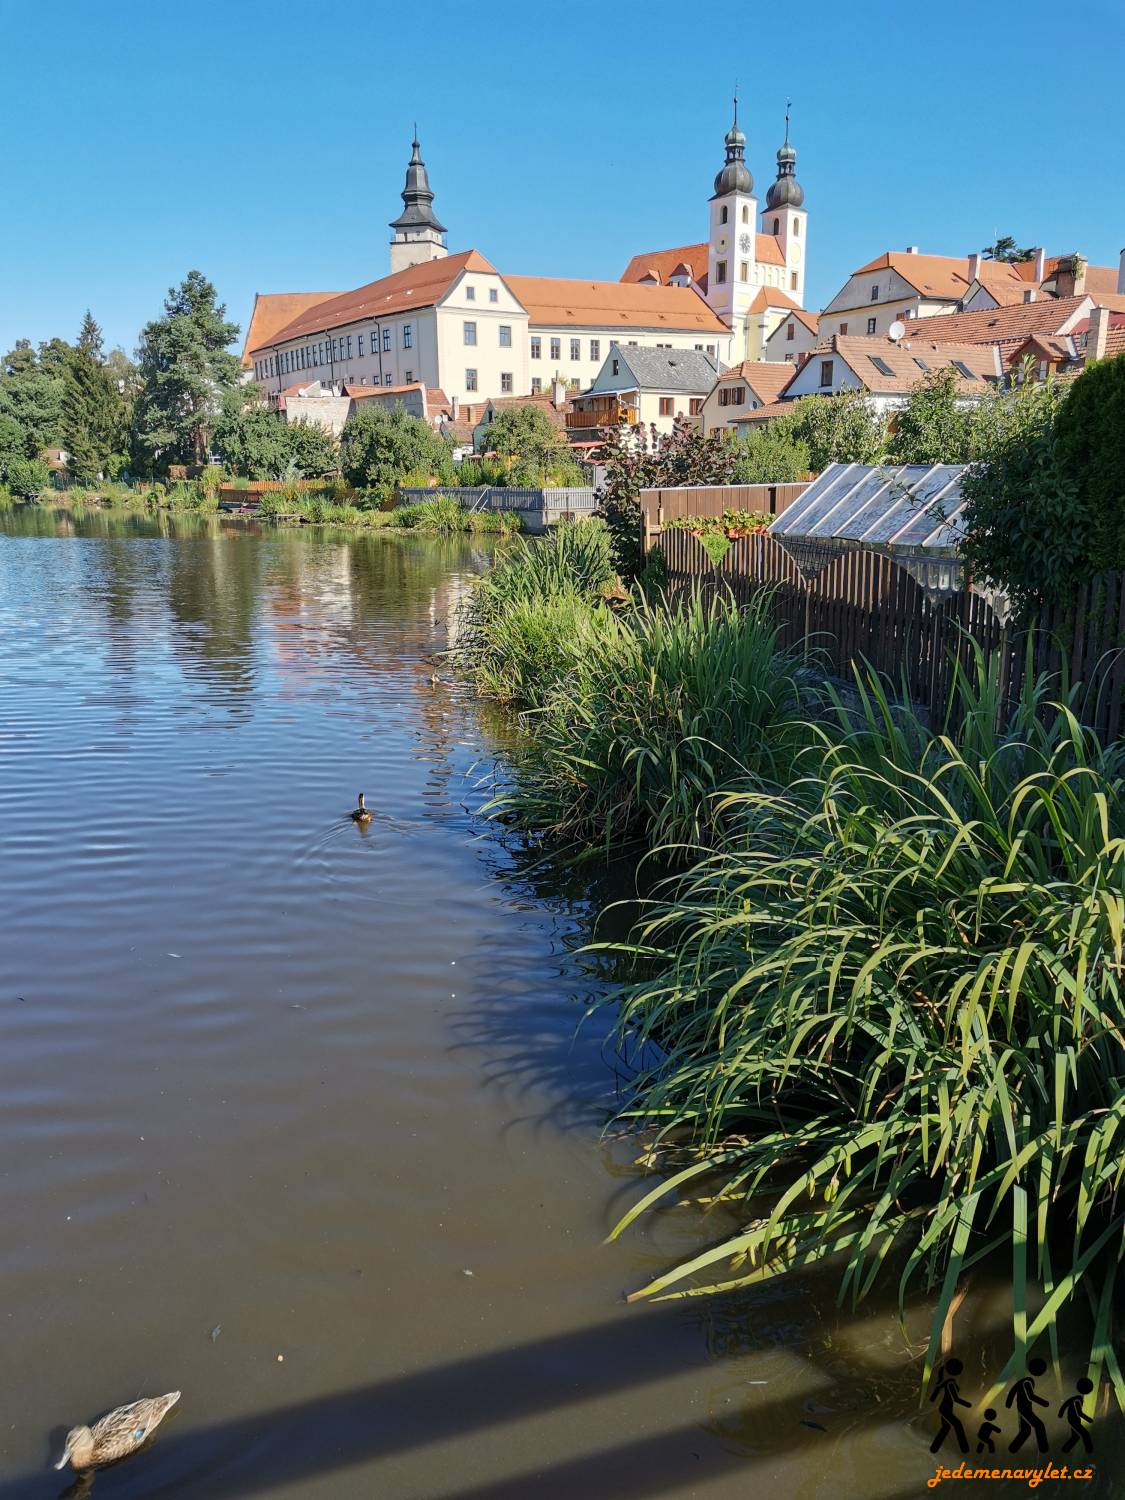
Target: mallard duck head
[{"x": 79, "y": 1450}]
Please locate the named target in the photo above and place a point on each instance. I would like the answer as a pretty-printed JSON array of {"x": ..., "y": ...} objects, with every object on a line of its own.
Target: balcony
[{"x": 610, "y": 414}]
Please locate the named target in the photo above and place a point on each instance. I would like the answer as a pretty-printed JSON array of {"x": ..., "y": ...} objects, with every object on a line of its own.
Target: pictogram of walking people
[{"x": 1023, "y": 1401}]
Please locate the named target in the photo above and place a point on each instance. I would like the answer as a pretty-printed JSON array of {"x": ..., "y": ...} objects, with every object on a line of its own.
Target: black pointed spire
[
  {"x": 417, "y": 196},
  {"x": 735, "y": 176},
  {"x": 786, "y": 191}
]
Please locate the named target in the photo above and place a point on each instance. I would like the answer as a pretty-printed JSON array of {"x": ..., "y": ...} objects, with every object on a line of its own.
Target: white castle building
[{"x": 457, "y": 325}]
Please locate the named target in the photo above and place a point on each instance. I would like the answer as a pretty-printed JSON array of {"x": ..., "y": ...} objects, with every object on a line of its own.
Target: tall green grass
[
  {"x": 660, "y": 714},
  {"x": 893, "y": 1020}
]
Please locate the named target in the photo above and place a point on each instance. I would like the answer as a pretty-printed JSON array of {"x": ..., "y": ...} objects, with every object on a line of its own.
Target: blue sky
[{"x": 265, "y": 144}]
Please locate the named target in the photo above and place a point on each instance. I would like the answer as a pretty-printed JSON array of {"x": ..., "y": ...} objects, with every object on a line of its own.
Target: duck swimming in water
[
  {"x": 117, "y": 1434},
  {"x": 362, "y": 813}
]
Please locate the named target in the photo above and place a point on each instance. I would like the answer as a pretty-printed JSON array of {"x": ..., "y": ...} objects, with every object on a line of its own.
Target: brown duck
[
  {"x": 362, "y": 813},
  {"x": 117, "y": 1434}
]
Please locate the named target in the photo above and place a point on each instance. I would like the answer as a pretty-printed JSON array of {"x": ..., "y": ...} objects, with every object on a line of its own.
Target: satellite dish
[{"x": 896, "y": 330}]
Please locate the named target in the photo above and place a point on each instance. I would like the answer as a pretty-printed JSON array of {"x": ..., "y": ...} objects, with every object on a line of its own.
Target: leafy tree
[
  {"x": 769, "y": 453},
  {"x": 185, "y": 366},
  {"x": 1005, "y": 250},
  {"x": 935, "y": 426},
  {"x": 1025, "y": 530},
  {"x": 537, "y": 451},
  {"x": 1090, "y": 448},
  {"x": 839, "y": 429},
  {"x": 379, "y": 446},
  {"x": 313, "y": 450},
  {"x": 638, "y": 459},
  {"x": 26, "y": 477},
  {"x": 31, "y": 396},
  {"x": 11, "y": 443}
]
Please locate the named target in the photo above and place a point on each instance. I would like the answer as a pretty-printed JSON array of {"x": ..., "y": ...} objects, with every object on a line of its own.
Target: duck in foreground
[
  {"x": 117, "y": 1434},
  {"x": 362, "y": 813}
]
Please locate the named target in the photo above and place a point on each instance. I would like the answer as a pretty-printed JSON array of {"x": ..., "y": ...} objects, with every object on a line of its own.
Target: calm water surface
[{"x": 293, "y": 1117}]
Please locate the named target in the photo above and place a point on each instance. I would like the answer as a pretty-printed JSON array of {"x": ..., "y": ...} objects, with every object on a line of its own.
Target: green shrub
[
  {"x": 26, "y": 477},
  {"x": 658, "y": 718},
  {"x": 892, "y": 1018},
  {"x": 1090, "y": 448}
]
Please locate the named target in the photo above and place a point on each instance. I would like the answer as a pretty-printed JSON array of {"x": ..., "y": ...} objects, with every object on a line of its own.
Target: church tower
[
  {"x": 418, "y": 234},
  {"x": 731, "y": 270},
  {"x": 785, "y": 218}
]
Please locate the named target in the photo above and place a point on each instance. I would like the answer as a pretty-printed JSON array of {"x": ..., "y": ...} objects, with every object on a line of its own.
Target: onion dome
[
  {"x": 735, "y": 175},
  {"x": 786, "y": 191}
]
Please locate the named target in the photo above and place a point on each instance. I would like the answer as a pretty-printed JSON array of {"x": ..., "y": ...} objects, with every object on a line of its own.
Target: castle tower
[
  {"x": 731, "y": 270},
  {"x": 784, "y": 217},
  {"x": 418, "y": 234}
]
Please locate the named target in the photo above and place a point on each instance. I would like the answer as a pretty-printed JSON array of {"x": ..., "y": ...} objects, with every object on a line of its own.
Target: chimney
[
  {"x": 912, "y": 249},
  {"x": 974, "y": 266},
  {"x": 1096, "y": 334},
  {"x": 1070, "y": 278},
  {"x": 455, "y": 408},
  {"x": 1039, "y": 256},
  {"x": 1121, "y": 275},
  {"x": 558, "y": 393}
]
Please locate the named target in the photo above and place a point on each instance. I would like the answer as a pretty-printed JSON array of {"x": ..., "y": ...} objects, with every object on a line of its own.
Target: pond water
[{"x": 294, "y": 1117}]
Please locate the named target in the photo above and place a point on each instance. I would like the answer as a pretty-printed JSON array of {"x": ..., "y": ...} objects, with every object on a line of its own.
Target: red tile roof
[
  {"x": 943, "y": 277},
  {"x": 555, "y": 303},
  {"x": 273, "y": 310},
  {"x": 663, "y": 264},
  {"x": 771, "y": 296},
  {"x": 402, "y": 291},
  {"x": 995, "y": 325},
  {"x": 766, "y": 378},
  {"x": 859, "y": 352}
]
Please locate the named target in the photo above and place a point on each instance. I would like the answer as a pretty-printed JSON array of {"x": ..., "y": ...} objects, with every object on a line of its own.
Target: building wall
[
  {"x": 717, "y": 415},
  {"x": 330, "y": 412},
  {"x": 895, "y": 300},
  {"x": 779, "y": 347},
  {"x": 583, "y": 371}
]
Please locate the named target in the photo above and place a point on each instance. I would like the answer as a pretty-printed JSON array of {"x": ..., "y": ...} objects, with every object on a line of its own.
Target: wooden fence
[
  {"x": 863, "y": 607},
  {"x": 661, "y": 505}
]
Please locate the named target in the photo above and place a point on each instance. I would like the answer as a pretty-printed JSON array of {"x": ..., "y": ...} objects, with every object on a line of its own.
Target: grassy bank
[
  {"x": 886, "y": 986},
  {"x": 442, "y": 516}
]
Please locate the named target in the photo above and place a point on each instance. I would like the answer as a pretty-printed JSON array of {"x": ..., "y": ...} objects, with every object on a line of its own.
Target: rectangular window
[
  {"x": 962, "y": 368},
  {"x": 738, "y": 396},
  {"x": 696, "y": 405},
  {"x": 576, "y": 348},
  {"x": 793, "y": 280},
  {"x": 470, "y": 294},
  {"x": 408, "y": 377},
  {"x": 875, "y": 292},
  {"x": 349, "y": 346},
  {"x": 617, "y": 367},
  {"x": 595, "y": 348},
  {"x": 711, "y": 349},
  {"x": 470, "y": 332},
  {"x": 871, "y": 325},
  {"x": 796, "y": 226},
  {"x": 536, "y": 385},
  {"x": 843, "y": 328},
  {"x": 493, "y": 294},
  {"x": 881, "y": 365},
  {"x": 723, "y": 214},
  {"x": 724, "y": 395},
  {"x": 720, "y": 271},
  {"x": 667, "y": 406},
  {"x": 505, "y": 335},
  {"x": 408, "y": 335},
  {"x": 505, "y": 384},
  {"x": 826, "y": 372},
  {"x": 470, "y": 380},
  {"x": 789, "y": 332},
  {"x": 921, "y": 363},
  {"x": 388, "y": 378},
  {"x": 745, "y": 214},
  {"x": 359, "y": 344},
  {"x": 536, "y": 348},
  {"x": 744, "y": 270},
  {"x": 386, "y": 340},
  {"x": 556, "y": 348}
]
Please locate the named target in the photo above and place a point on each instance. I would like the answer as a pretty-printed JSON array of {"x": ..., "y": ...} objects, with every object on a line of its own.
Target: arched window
[
  {"x": 745, "y": 214},
  {"x": 723, "y": 214},
  {"x": 777, "y": 226}
]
